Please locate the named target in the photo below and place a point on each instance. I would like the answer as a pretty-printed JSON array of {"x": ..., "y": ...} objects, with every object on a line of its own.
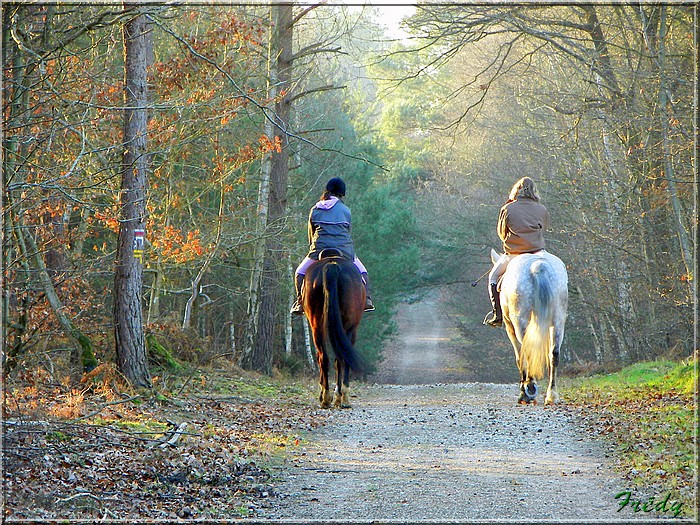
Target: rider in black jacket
[{"x": 330, "y": 225}]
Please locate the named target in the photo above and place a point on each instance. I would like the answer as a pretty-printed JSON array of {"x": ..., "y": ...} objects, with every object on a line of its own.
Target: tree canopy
[{"x": 252, "y": 108}]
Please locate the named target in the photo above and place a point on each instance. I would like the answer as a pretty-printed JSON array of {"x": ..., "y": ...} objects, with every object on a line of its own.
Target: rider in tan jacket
[{"x": 521, "y": 226}]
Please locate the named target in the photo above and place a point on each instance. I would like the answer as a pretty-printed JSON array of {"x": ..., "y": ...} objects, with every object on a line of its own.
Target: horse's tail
[
  {"x": 537, "y": 338},
  {"x": 333, "y": 321}
]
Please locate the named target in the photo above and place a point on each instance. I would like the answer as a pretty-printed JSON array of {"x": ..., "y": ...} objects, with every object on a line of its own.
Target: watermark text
[{"x": 649, "y": 505}]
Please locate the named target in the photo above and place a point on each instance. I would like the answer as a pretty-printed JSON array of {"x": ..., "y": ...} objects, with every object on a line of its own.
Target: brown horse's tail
[{"x": 332, "y": 319}]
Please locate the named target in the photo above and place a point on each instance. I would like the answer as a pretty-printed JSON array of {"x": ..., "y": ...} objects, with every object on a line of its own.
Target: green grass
[
  {"x": 647, "y": 413},
  {"x": 58, "y": 436},
  {"x": 142, "y": 426},
  {"x": 664, "y": 376},
  {"x": 259, "y": 388}
]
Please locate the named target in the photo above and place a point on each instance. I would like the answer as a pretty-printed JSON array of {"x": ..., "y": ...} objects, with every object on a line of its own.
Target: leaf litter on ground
[
  {"x": 647, "y": 413},
  {"x": 98, "y": 452}
]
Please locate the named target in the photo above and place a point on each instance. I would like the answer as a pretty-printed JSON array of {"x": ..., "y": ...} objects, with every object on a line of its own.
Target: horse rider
[
  {"x": 521, "y": 225},
  {"x": 329, "y": 226}
]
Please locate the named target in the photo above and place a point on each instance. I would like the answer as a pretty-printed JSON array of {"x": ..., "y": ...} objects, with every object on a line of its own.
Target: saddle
[
  {"x": 334, "y": 253},
  {"x": 329, "y": 253}
]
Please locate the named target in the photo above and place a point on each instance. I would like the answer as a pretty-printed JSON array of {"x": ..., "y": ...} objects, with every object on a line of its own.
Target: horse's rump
[
  {"x": 336, "y": 282},
  {"x": 537, "y": 337},
  {"x": 534, "y": 296},
  {"x": 334, "y": 300},
  {"x": 334, "y": 303}
]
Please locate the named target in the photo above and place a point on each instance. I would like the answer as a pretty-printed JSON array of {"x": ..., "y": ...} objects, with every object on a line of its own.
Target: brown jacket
[{"x": 521, "y": 226}]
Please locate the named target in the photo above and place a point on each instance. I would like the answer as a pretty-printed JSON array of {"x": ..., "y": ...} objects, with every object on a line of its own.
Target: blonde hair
[{"x": 526, "y": 188}]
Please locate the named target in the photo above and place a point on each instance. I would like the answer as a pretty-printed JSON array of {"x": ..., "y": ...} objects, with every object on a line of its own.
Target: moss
[
  {"x": 160, "y": 354},
  {"x": 87, "y": 356},
  {"x": 57, "y": 436},
  {"x": 142, "y": 426}
]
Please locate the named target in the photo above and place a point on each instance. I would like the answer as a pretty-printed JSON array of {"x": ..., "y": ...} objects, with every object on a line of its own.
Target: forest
[{"x": 160, "y": 161}]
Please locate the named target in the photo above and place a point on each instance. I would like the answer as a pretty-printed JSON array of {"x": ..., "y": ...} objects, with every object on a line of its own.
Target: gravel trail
[
  {"x": 424, "y": 352},
  {"x": 448, "y": 452},
  {"x": 443, "y": 450}
]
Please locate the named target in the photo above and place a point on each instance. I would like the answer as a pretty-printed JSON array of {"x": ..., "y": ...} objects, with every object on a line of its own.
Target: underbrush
[
  {"x": 647, "y": 413},
  {"x": 200, "y": 445}
]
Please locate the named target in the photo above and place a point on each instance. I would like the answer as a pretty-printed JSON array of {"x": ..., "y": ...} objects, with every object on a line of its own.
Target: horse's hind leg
[
  {"x": 528, "y": 389},
  {"x": 324, "y": 396},
  {"x": 345, "y": 389},
  {"x": 556, "y": 339},
  {"x": 338, "y": 397},
  {"x": 342, "y": 389}
]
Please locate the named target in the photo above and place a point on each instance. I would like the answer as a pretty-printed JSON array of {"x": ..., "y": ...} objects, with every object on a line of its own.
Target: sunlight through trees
[{"x": 250, "y": 109}]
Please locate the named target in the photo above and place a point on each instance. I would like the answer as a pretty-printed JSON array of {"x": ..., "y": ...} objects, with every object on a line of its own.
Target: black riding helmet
[{"x": 336, "y": 186}]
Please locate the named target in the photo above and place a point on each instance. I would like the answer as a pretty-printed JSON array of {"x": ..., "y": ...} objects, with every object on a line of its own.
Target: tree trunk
[
  {"x": 261, "y": 338},
  {"x": 245, "y": 359},
  {"x": 232, "y": 337},
  {"x": 615, "y": 212},
  {"x": 14, "y": 339},
  {"x": 13, "y": 101},
  {"x": 129, "y": 338},
  {"x": 669, "y": 175},
  {"x": 83, "y": 358},
  {"x": 156, "y": 287},
  {"x": 274, "y": 253},
  {"x": 313, "y": 364},
  {"x": 288, "y": 333}
]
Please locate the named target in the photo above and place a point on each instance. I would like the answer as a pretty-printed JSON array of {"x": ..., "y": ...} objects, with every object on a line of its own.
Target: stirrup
[
  {"x": 492, "y": 319},
  {"x": 369, "y": 305},
  {"x": 297, "y": 308}
]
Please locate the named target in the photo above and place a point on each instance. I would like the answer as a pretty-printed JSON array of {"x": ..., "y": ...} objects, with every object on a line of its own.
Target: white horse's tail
[{"x": 537, "y": 338}]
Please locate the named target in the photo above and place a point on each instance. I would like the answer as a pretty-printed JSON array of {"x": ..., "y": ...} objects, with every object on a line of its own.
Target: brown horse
[{"x": 334, "y": 301}]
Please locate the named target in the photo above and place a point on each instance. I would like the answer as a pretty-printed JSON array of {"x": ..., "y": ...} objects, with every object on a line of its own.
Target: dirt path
[
  {"x": 420, "y": 446},
  {"x": 439, "y": 452},
  {"x": 424, "y": 352}
]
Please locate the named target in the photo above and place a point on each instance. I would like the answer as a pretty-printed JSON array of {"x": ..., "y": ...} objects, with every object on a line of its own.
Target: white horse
[{"x": 534, "y": 297}]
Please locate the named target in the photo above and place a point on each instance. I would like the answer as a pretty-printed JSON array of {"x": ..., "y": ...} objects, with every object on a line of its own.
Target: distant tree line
[{"x": 596, "y": 102}]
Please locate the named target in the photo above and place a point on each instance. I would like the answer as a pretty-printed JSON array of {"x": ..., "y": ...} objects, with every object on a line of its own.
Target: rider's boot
[
  {"x": 494, "y": 318},
  {"x": 369, "y": 306},
  {"x": 298, "y": 307}
]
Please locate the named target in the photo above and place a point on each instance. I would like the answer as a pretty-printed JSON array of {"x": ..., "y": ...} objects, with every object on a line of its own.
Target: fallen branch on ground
[{"x": 176, "y": 435}]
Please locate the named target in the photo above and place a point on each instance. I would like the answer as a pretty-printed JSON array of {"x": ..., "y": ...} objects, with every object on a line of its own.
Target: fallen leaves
[
  {"x": 197, "y": 456},
  {"x": 650, "y": 428}
]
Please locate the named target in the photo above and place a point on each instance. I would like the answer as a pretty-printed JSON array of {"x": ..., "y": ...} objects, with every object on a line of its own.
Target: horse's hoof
[
  {"x": 527, "y": 401},
  {"x": 531, "y": 390}
]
